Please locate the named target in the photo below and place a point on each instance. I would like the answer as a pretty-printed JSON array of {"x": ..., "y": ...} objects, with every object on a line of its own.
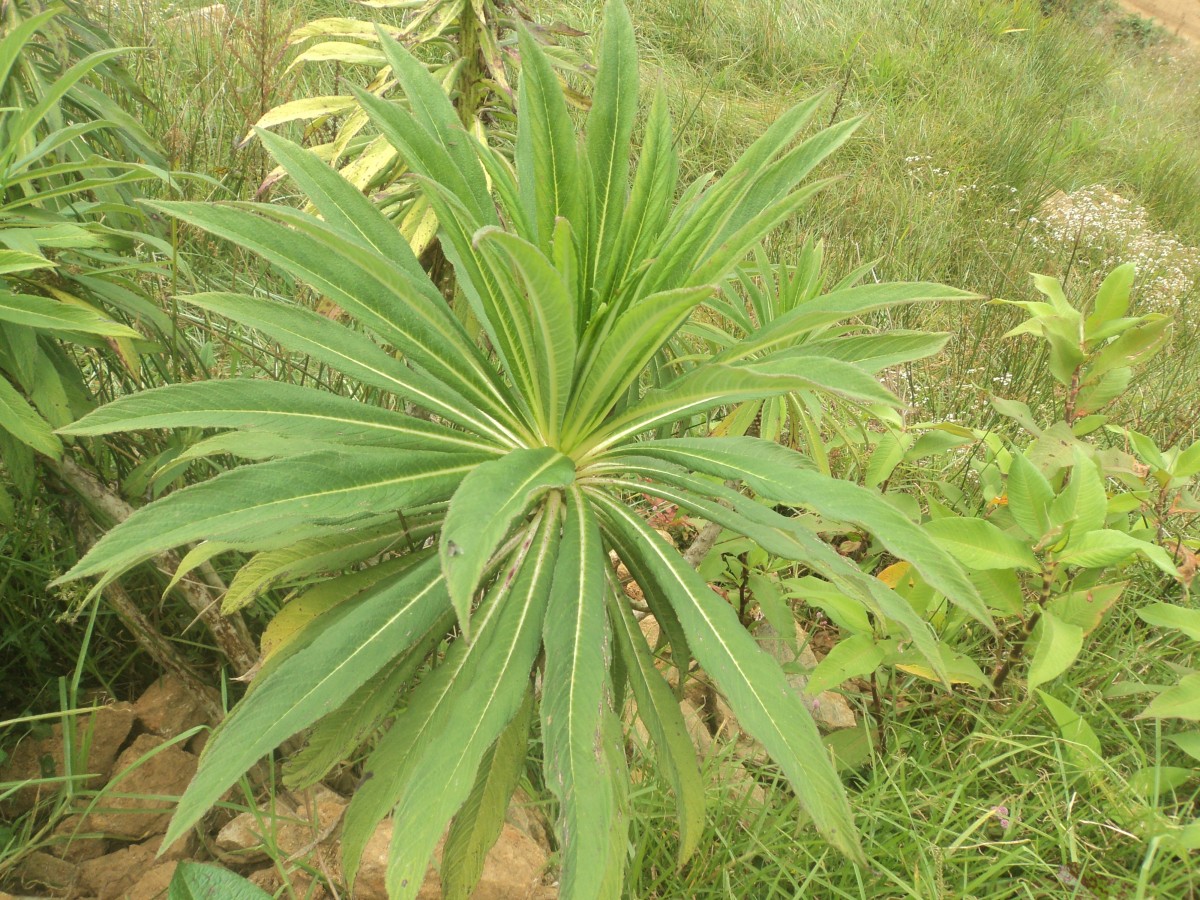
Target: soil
[{"x": 1180, "y": 17}]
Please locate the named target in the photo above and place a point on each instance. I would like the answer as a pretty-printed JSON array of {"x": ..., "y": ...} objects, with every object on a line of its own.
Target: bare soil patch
[{"x": 1181, "y": 17}]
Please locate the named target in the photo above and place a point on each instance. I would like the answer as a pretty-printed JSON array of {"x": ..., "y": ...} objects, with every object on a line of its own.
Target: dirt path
[{"x": 1180, "y": 17}]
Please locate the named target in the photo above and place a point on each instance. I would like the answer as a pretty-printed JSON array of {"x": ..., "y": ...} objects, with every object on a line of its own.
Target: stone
[
  {"x": 147, "y": 767},
  {"x": 42, "y": 870},
  {"x": 512, "y": 870},
  {"x": 98, "y": 738},
  {"x": 154, "y": 884},
  {"x": 168, "y": 708},
  {"x": 111, "y": 876},
  {"x": 298, "y": 882},
  {"x": 72, "y": 842}
]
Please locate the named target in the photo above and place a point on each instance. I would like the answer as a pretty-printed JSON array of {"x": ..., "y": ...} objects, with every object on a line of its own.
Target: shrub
[{"x": 473, "y": 509}]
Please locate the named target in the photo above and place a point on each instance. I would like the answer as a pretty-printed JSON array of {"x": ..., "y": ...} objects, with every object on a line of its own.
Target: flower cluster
[{"x": 1110, "y": 230}]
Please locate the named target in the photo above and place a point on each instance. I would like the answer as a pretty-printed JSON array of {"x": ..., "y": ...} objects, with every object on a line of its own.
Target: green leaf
[
  {"x": 440, "y": 781},
  {"x": 41, "y": 312},
  {"x": 1055, "y": 649},
  {"x": 337, "y": 736},
  {"x": 1179, "y": 702},
  {"x": 539, "y": 324},
  {"x": 197, "y": 881},
  {"x": 1082, "y": 744},
  {"x": 853, "y": 657},
  {"x": 978, "y": 544},
  {"x": 784, "y": 537},
  {"x": 353, "y": 354},
  {"x": 609, "y": 129},
  {"x": 547, "y": 157},
  {"x": 275, "y": 407},
  {"x": 479, "y": 822},
  {"x": 1083, "y": 503},
  {"x": 313, "y": 681},
  {"x": 433, "y": 111},
  {"x": 658, "y": 709},
  {"x": 784, "y": 478},
  {"x": 750, "y": 679},
  {"x": 575, "y": 697},
  {"x": 1029, "y": 497},
  {"x": 1176, "y": 618},
  {"x": 1112, "y": 300},
  {"x": 323, "y": 553},
  {"x": 483, "y": 510},
  {"x": 623, "y": 354},
  {"x": 22, "y": 421},
  {"x": 255, "y": 502},
  {"x": 1097, "y": 549},
  {"x": 835, "y": 306}
]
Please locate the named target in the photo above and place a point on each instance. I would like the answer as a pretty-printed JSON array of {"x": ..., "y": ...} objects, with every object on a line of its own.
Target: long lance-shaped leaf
[
  {"x": 312, "y": 682},
  {"x": 388, "y": 769},
  {"x": 337, "y": 736},
  {"x": 658, "y": 709},
  {"x": 352, "y": 354},
  {"x": 832, "y": 376},
  {"x": 548, "y": 340},
  {"x": 621, "y": 358},
  {"x": 440, "y": 782},
  {"x": 341, "y": 204},
  {"x": 575, "y": 697},
  {"x": 701, "y": 389},
  {"x": 255, "y": 502},
  {"x": 694, "y": 228},
  {"x": 22, "y": 421},
  {"x": 547, "y": 155},
  {"x": 40, "y": 312},
  {"x": 409, "y": 311},
  {"x": 649, "y": 205},
  {"x": 13, "y": 44},
  {"x": 324, "y": 553},
  {"x": 780, "y": 536},
  {"x": 872, "y": 352},
  {"x": 717, "y": 262},
  {"x": 431, "y": 107},
  {"x": 273, "y": 407},
  {"x": 609, "y": 129},
  {"x": 835, "y": 307},
  {"x": 361, "y": 281},
  {"x": 480, "y": 283},
  {"x": 479, "y": 822},
  {"x": 423, "y": 153},
  {"x": 483, "y": 509},
  {"x": 795, "y": 484},
  {"x": 749, "y": 678},
  {"x": 20, "y": 126},
  {"x": 782, "y": 176}
]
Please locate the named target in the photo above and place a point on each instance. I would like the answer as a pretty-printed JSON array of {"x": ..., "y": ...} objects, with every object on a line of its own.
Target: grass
[{"x": 974, "y": 116}]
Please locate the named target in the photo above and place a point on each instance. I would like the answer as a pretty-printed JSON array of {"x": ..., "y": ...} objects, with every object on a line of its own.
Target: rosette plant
[{"x": 471, "y": 492}]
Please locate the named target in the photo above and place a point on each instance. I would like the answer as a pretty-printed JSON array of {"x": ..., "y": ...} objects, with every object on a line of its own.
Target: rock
[
  {"x": 110, "y": 877},
  {"x": 512, "y": 869},
  {"x": 153, "y": 884},
  {"x": 298, "y": 881},
  {"x": 147, "y": 767},
  {"x": 168, "y": 708},
  {"x": 98, "y": 738},
  {"x": 42, "y": 870},
  {"x": 70, "y": 841},
  {"x": 242, "y": 837},
  {"x": 829, "y": 709}
]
